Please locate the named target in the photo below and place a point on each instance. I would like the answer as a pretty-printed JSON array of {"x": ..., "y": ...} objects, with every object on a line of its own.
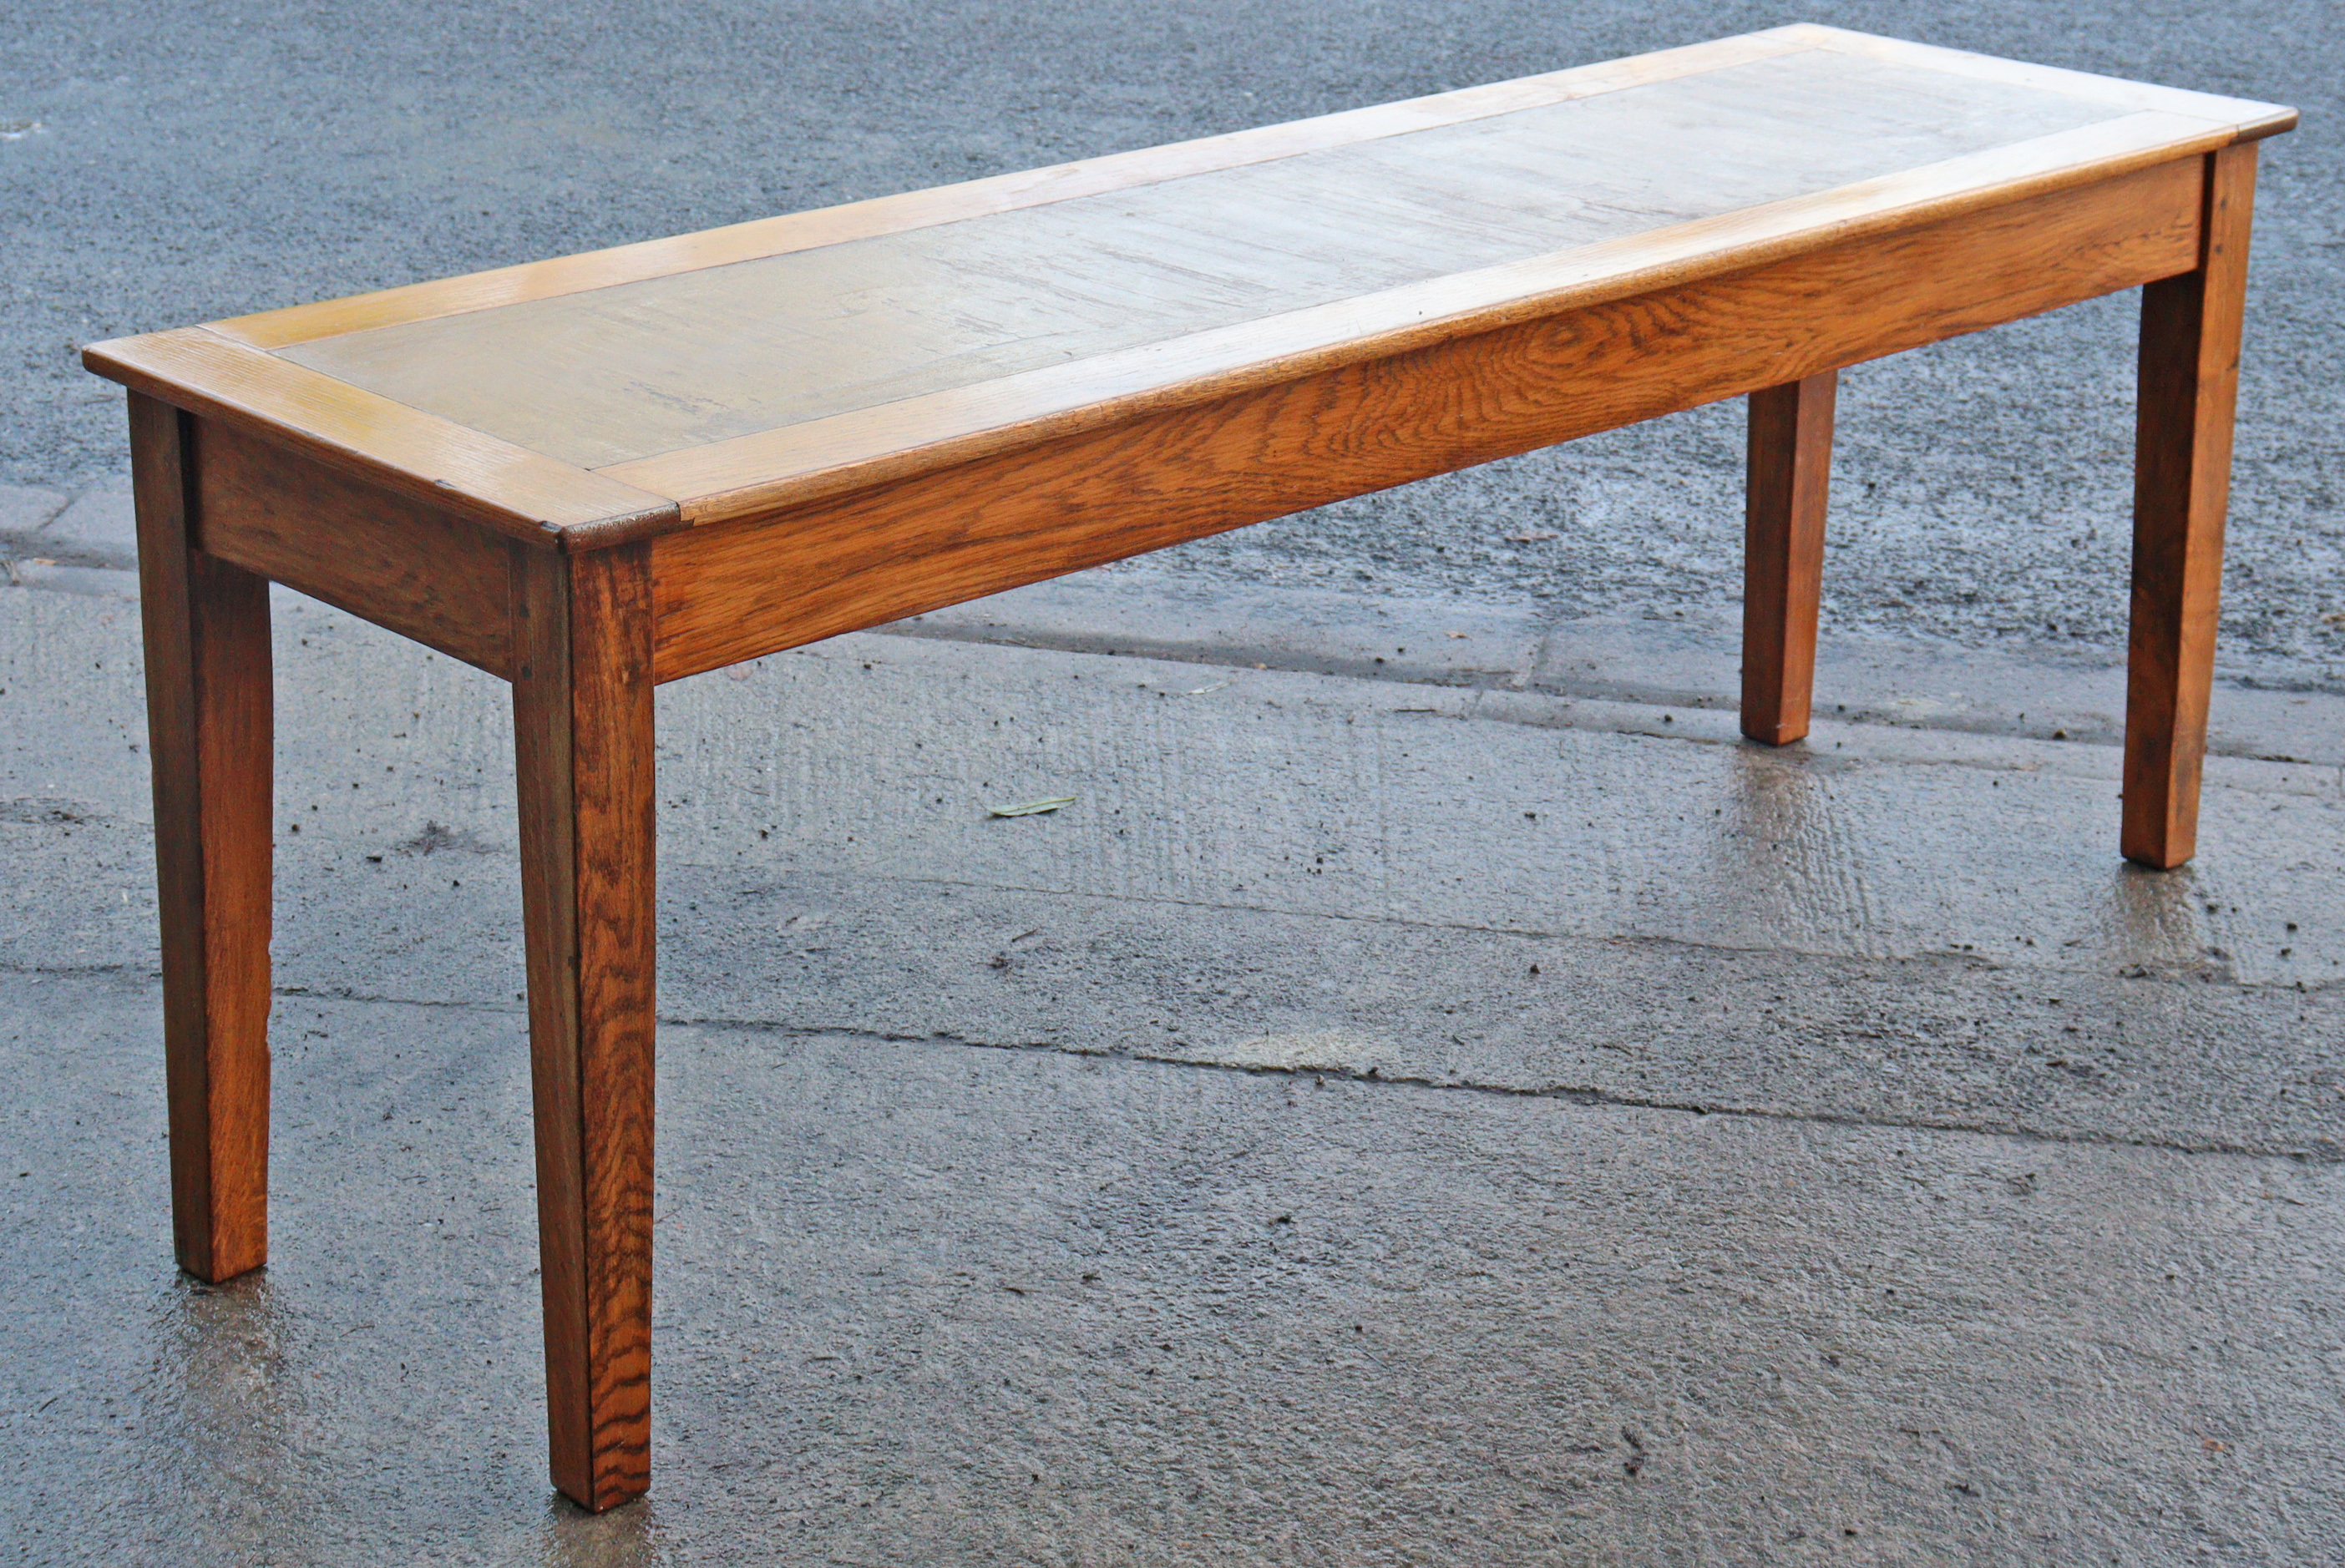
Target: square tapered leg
[
  {"x": 210, "y": 714},
  {"x": 582, "y": 723},
  {"x": 1783, "y": 553},
  {"x": 2182, "y": 481}
]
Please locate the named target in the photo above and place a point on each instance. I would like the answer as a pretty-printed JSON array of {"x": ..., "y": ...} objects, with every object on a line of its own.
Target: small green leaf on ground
[{"x": 1032, "y": 807}]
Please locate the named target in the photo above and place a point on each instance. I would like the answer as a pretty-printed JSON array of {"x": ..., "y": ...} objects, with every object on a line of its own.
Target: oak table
[{"x": 593, "y": 474}]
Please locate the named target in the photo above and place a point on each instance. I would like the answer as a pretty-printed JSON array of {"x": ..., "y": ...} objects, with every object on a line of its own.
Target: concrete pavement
[{"x": 1381, "y": 1121}]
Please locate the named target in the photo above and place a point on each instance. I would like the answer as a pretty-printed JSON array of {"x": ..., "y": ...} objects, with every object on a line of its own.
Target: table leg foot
[
  {"x": 583, "y": 721},
  {"x": 209, "y": 722},
  {"x": 2182, "y": 477}
]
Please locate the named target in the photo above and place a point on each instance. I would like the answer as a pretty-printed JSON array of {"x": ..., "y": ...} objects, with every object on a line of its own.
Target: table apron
[{"x": 436, "y": 576}]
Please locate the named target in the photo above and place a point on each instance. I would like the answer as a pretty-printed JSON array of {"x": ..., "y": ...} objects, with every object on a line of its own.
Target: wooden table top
[{"x": 741, "y": 370}]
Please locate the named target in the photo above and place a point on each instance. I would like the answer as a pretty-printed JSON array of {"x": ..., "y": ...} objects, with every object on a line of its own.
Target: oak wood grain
[
  {"x": 1790, "y": 435},
  {"x": 583, "y": 729},
  {"x": 423, "y": 573},
  {"x": 2191, "y": 332},
  {"x": 737, "y": 592},
  {"x": 209, "y": 730},
  {"x": 526, "y": 495}
]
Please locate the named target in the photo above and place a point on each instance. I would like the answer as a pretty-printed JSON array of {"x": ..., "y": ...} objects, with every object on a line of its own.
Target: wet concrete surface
[
  {"x": 1382, "y": 1120},
  {"x": 920, "y": 1303}
]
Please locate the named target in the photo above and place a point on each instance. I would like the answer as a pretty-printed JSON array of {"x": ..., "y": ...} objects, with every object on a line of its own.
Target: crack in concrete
[
  {"x": 2324, "y": 1154},
  {"x": 84, "y": 971},
  {"x": 2321, "y": 1154}
]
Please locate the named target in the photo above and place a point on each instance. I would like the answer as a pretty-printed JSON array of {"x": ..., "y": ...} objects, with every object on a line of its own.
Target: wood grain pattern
[
  {"x": 732, "y": 593},
  {"x": 422, "y": 572},
  {"x": 976, "y": 199},
  {"x": 2190, "y": 330},
  {"x": 583, "y": 729},
  {"x": 798, "y": 463},
  {"x": 209, "y": 730},
  {"x": 524, "y": 494},
  {"x": 1790, "y": 437},
  {"x": 620, "y": 374}
]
